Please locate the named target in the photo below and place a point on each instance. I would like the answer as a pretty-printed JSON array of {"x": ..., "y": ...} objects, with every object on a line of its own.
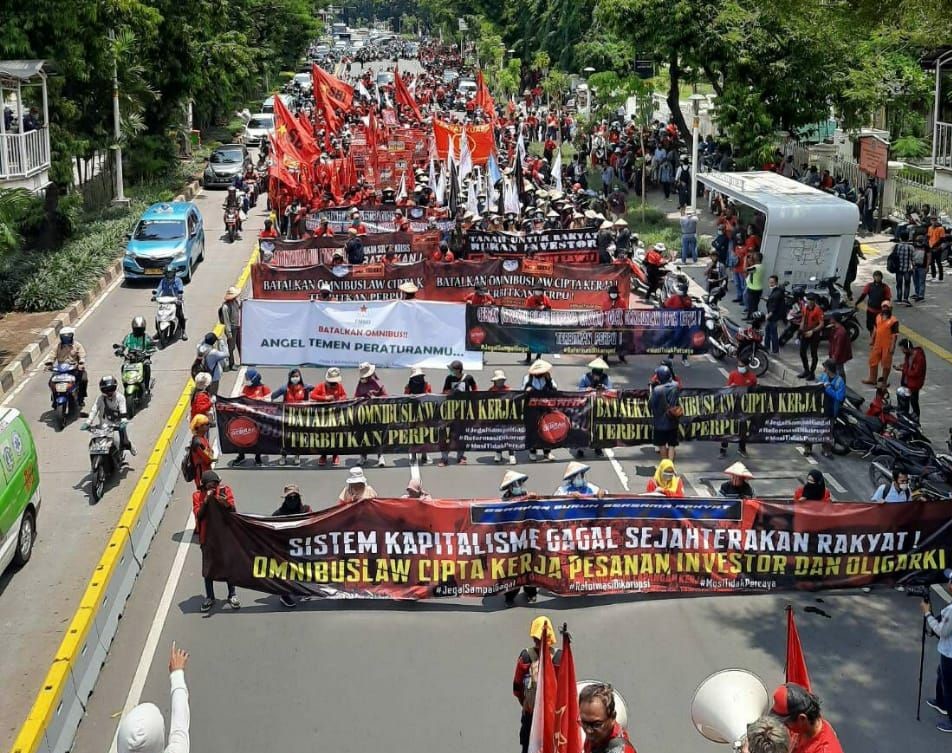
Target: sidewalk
[{"x": 926, "y": 324}]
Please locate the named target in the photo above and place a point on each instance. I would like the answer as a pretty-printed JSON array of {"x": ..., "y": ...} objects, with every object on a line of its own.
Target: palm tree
[{"x": 14, "y": 204}]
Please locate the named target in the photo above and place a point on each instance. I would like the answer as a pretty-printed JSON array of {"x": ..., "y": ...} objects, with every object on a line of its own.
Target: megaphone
[
  {"x": 621, "y": 708},
  {"x": 726, "y": 702}
]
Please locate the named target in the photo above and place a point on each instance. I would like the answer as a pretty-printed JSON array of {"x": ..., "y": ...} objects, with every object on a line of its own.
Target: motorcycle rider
[
  {"x": 73, "y": 353},
  {"x": 110, "y": 410},
  {"x": 139, "y": 340},
  {"x": 233, "y": 202},
  {"x": 171, "y": 286}
]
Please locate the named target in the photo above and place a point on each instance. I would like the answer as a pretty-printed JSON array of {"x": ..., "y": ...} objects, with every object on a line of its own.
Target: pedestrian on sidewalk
[
  {"x": 754, "y": 283},
  {"x": 142, "y": 730},
  {"x": 937, "y": 248},
  {"x": 811, "y": 324},
  {"x": 913, "y": 370},
  {"x": 776, "y": 314},
  {"x": 834, "y": 394},
  {"x": 683, "y": 181},
  {"x": 882, "y": 345},
  {"x": 899, "y": 262},
  {"x": 921, "y": 259},
  {"x": 852, "y": 268},
  {"x": 874, "y": 293},
  {"x": 689, "y": 238},
  {"x": 212, "y": 492},
  {"x": 942, "y": 628},
  {"x": 738, "y": 264},
  {"x": 841, "y": 349}
]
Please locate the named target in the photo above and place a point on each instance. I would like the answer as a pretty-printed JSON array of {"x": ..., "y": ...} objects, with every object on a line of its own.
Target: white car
[
  {"x": 267, "y": 107},
  {"x": 259, "y": 127},
  {"x": 303, "y": 80}
]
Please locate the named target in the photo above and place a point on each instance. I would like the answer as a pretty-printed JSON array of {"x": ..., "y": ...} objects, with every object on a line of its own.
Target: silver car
[
  {"x": 226, "y": 163},
  {"x": 259, "y": 127}
]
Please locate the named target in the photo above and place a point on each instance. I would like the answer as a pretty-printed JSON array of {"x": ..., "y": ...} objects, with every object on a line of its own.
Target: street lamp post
[
  {"x": 696, "y": 100},
  {"x": 117, "y": 131}
]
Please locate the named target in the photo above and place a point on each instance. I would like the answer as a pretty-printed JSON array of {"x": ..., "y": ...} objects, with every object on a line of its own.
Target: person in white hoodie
[{"x": 142, "y": 730}]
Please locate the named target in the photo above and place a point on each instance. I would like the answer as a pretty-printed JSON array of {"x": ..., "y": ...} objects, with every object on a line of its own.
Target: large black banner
[
  {"x": 490, "y": 421},
  {"x": 633, "y": 331},
  {"x": 497, "y": 243},
  {"x": 416, "y": 549}
]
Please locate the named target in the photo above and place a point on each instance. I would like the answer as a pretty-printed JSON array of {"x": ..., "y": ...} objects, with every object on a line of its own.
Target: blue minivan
[{"x": 167, "y": 235}]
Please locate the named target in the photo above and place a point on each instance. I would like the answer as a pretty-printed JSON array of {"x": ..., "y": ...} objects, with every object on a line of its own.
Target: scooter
[
  {"x": 133, "y": 377},
  {"x": 105, "y": 457},
  {"x": 64, "y": 393},
  {"x": 231, "y": 223},
  {"x": 166, "y": 320}
]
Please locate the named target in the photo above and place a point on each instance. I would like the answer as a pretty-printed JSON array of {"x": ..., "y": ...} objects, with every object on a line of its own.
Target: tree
[{"x": 15, "y": 204}]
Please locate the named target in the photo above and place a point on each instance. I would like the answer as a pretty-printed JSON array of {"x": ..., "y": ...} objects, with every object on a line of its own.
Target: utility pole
[{"x": 117, "y": 132}]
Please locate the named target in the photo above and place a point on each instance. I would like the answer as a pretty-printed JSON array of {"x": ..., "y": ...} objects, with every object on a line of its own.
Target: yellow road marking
[{"x": 30, "y": 736}]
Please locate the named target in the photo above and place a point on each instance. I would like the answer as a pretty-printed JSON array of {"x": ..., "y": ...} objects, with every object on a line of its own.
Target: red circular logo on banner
[
  {"x": 477, "y": 335},
  {"x": 243, "y": 432},
  {"x": 697, "y": 339},
  {"x": 554, "y": 427}
]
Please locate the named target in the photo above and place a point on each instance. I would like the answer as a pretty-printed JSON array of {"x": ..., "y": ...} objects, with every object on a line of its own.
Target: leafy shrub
[
  {"x": 148, "y": 157},
  {"x": 910, "y": 147}
]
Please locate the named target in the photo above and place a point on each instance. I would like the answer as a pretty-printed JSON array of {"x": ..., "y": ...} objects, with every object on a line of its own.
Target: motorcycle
[
  {"x": 847, "y": 315},
  {"x": 166, "y": 319},
  {"x": 105, "y": 457},
  {"x": 828, "y": 294},
  {"x": 930, "y": 472},
  {"x": 728, "y": 339},
  {"x": 854, "y": 431},
  {"x": 64, "y": 393},
  {"x": 231, "y": 223},
  {"x": 132, "y": 374}
]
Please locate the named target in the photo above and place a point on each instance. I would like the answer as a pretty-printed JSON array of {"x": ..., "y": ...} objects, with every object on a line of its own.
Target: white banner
[{"x": 386, "y": 333}]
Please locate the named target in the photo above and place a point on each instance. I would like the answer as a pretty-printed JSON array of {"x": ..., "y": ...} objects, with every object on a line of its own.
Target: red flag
[
  {"x": 323, "y": 103},
  {"x": 542, "y": 733},
  {"x": 568, "y": 735},
  {"x": 484, "y": 100},
  {"x": 480, "y": 138},
  {"x": 372, "y": 136},
  {"x": 340, "y": 93},
  {"x": 796, "y": 663},
  {"x": 402, "y": 95},
  {"x": 289, "y": 127}
]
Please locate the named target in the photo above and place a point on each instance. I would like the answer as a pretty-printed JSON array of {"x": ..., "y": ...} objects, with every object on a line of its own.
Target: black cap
[{"x": 210, "y": 477}]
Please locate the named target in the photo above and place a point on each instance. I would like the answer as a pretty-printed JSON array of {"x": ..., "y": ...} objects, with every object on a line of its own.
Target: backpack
[
  {"x": 221, "y": 314},
  {"x": 188, "y": 466},
  {"x": 531, "y": 680},
  {"x": 892, "y": 262},
  {"x": 198, "y": 366}
]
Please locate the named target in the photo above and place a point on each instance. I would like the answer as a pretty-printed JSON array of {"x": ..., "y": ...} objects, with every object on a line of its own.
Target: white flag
[
  {"x": 439, "y": 190},
  {"x": 465, "y": 156},
  {"x": 510, "y": 198},
  {"x": 557, "y": 169},
  {"x": 402, "y": 191},
  {"x": 471, "y": 202}
]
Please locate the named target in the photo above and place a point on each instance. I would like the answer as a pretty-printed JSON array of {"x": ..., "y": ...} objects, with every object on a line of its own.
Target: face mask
[
  {"x": 613, "y": 296},
  {"x": 577, "y": 481},
  {"x": 904, "y": 486},
  {"x": 295, "y": 380},
  {"x": 742, "y": 369},
  {"x": 516, "y": 490}
]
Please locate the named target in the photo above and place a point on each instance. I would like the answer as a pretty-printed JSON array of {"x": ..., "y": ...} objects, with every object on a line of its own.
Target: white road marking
[
  {"x": 723, "y": 371},
  {"x": 41, "y": 366},
  {"x": 619, "y": 471},
  {"x": 415, "y": 471},
  {"x": 710, "y": 358},
  {"x": 809, "y": 458},
  {"x": 158, "y": 624},
  {"x": 837, "y": 486}
]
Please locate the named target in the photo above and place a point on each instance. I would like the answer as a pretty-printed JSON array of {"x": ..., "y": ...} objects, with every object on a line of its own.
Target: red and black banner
[
  {"x": 491, "y": 421},
  {"x": 415, "y": 549},
  {"x": 635, "y": 331},
  {"x": 508, "y": 281},
  {"x": 500, "y": 243},
  {"x": 407, "y": 247}
]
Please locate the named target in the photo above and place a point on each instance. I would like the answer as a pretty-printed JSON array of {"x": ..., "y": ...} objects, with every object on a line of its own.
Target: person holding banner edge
[{"x": 537, "y": 301}]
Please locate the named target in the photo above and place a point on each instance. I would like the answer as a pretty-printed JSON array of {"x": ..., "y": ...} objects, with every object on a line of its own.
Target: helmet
[
  {"x": 758, "y": 318},
  {"x": 66, "y": 335},
  {"x": 108, "y": 385},
  {"x": 663, "y": 374},
  {"x": 660, "y": 248},
  {"x": 138, "y": 325}
]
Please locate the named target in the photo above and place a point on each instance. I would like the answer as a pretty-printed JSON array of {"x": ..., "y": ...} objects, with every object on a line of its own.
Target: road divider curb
[{"x": 51, "y": 724}]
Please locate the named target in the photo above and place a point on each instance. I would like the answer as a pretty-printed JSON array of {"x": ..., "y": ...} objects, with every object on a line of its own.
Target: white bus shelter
[{"x": 808, "y": 233}]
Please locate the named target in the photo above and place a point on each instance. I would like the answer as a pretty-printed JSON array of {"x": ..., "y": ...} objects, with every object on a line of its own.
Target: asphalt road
[
  {"x": 413, "y": 676},
  {"x": 37, "y": 602}
]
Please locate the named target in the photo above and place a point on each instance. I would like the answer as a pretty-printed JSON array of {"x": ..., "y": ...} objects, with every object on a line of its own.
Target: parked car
[
  {"x": 226, "y": 162},
  {"x": 258, "y": 128},
  {"x": 167, "y": 235}
]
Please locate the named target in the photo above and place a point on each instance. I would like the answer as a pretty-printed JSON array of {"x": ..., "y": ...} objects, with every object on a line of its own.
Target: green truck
[{"x": 19, "y": 489}]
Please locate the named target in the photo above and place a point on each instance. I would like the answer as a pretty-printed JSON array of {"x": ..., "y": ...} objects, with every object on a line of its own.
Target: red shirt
[
  {"x": 825, "y": 742},
  {"x": 324, "y": 232},
  {"x": 201, "y": 404},
  {"x": 736, "y": 379},
  {"x": 259, "y": 392},
  {"x": 798, "y": 497},
  {"x": 538, "y": 302},
  {"x": 272, "y": 233},
  {"x": 198, "y": 502},
  {"x": 679, "y": 302},
  {"x": 613, "y": 303},
  {"x": 480, "y": 299},
  {"x": 201, "y": 452},
  {"x": 914, "y": 369},
  {"x": 812, "y": 319},
  {"x": 324, "y": 393},
  {"x": 617, "y": 731},
  {"x": 295, "y": 393}
]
